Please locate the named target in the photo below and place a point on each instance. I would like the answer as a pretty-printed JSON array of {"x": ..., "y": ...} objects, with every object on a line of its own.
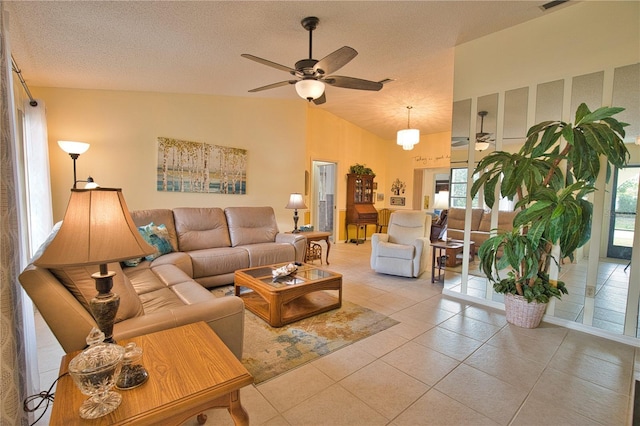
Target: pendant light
[{"x": 408, "y": 137}]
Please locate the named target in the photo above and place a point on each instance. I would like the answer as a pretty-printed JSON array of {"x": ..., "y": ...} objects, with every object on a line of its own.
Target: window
[{"x": 459, "y": 189}]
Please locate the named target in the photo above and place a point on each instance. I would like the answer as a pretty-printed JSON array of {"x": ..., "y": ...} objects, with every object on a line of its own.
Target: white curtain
[{"x": 37, "y": 187}]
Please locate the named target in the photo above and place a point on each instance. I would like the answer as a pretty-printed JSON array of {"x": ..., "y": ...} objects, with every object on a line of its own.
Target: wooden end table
[
  {"x": 289, "y": 298},
  {"x": 317, "y": 236},
  {"x": 190, "y": 371},
  {"x": 451, "y": 250}
]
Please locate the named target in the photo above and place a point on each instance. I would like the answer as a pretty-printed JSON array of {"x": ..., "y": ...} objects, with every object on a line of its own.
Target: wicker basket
[{"x": 522, "y": 313}]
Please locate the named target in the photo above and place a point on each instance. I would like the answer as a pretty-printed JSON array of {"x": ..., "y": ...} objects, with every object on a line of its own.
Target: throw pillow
[
  {"x": 77, "y": 279},
  {"x": 158, "y": 237}
]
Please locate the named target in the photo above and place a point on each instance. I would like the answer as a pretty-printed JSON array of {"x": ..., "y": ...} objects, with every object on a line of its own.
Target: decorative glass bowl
[{"x": 94, "y": 371}]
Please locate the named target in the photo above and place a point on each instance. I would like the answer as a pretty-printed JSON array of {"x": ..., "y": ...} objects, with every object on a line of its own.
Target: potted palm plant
[{"x": 550, "y": 177}]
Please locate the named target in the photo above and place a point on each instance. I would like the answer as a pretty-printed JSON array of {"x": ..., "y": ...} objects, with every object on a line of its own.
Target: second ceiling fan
[
  {"x": 312, "y": 75},
  {"x": 483, "y": 140}
]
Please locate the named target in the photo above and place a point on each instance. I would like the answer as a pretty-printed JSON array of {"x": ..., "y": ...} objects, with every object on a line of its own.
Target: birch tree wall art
[{"x": 185, "y": 166}]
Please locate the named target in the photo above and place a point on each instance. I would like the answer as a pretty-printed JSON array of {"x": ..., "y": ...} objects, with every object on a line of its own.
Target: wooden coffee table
[
  {"x": 309, "y": 291},
  {"x": 190, "y": 371}
]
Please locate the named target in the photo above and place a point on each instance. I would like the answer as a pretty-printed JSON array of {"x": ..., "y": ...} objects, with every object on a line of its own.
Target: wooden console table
[{"x": 190, "y": 371}]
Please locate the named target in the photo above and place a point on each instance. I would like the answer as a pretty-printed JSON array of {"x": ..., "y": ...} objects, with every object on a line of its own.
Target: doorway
[
  {"x": 323, "y": 197},
  {"x": 624, "y": 201}
]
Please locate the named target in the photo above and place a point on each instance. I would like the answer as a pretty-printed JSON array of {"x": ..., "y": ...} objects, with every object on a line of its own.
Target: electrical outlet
[{"x": 591, "y": 291}]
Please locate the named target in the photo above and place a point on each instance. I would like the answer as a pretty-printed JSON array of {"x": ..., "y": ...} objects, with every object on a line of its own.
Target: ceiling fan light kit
[
  {"x": 312, "y": 75},
  {"x": 408, "y": 137},
  {"x": 310, "y": 89}
]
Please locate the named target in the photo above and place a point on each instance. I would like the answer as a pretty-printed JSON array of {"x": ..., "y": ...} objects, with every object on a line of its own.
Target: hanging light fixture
[
  {"x": 310, "y": 89},
  {"x": 408, "y": 137}
]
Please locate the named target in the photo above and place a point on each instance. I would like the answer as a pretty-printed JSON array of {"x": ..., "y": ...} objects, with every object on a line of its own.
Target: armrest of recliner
[
  {"x": 422, "y": 254},
  {"x": 375, "y": 240}
]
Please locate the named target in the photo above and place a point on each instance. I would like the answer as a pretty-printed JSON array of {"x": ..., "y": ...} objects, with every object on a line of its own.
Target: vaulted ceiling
[{"x": 195, "y": 47}]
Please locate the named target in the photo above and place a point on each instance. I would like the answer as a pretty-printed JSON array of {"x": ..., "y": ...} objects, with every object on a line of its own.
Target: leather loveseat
[
  {"x": 480, "y": 224},
  {"x": 207, "y": 246}
]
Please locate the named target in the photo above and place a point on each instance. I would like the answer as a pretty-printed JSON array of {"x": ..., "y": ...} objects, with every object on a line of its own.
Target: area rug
[{"x": 269, "y": 351}]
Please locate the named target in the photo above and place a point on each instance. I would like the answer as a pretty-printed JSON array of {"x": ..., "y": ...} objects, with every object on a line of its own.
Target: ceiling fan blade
[
  {"x": 459, "y": 141},
  {"x": 334, "y": 61},
  {"x": 352, "y": 83},
  {"x": 272, "y": 86},
  {"x": 319, "y": 101},
  {"x": 269, "y": 63}
]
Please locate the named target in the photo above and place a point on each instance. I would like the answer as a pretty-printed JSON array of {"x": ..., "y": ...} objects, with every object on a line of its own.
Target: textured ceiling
[{"x": 195, "y": 47}]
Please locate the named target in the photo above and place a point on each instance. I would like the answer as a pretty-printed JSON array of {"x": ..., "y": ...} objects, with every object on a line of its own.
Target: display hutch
[{"x": 360, "y": 210}]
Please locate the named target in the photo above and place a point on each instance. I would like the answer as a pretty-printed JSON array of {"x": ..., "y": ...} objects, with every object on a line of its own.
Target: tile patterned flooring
[{"x": 447, "y": 362}]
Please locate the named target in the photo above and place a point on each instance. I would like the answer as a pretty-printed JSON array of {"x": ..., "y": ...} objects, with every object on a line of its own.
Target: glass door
[
  {"x": 624, "y": 201},
  {"x": 324, "y": 190}
]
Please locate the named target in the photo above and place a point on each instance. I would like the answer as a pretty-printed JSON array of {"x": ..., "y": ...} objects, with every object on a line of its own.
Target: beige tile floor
[{"x": 446, "y": 363}]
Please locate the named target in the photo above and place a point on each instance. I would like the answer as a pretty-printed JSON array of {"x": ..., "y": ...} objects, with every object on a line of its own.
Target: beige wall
[
  {"x": 122, "y": 128},
  {"x": 579, "y": 39}
]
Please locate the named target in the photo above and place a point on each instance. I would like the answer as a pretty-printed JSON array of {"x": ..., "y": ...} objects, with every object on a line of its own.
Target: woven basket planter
[{"x": 522, "y": 313}]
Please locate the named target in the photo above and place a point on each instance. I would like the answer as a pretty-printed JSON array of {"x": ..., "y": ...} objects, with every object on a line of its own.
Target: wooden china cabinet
[{"x": 360, "y": 210}]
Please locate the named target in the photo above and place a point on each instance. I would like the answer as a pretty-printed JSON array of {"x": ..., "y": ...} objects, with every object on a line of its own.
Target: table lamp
[
  {"x": 441, "y": 202},
  {"x": 295, "y": 202},
  {"x": 97, "y": 229}
]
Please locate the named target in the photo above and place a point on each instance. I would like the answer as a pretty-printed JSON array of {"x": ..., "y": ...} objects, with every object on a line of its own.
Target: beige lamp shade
[
  {"x": 97, "y": 229},
  {"x": 296, "y": 201},
  {"x": 442, "y": 200}
]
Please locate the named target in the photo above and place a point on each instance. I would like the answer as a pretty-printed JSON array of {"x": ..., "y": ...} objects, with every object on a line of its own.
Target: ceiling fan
[
  {"x": 483, "y": 140},
  {"x": 312, "y": 75}
]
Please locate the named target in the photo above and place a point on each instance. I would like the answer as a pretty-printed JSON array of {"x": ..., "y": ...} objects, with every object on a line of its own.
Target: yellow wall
[{"x": 122, "y": 128}]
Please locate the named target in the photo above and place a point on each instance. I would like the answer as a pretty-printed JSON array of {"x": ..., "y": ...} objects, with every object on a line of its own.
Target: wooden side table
[
  {"x": 190, "y": 371},
  {"x": 317, "y": 236}
]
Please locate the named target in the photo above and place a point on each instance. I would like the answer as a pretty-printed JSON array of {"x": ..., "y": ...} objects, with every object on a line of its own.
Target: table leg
[
  {"x": 433, "y": 264},
  {"x": 328, "y": 248},
  {"x": 237, "y": 411}
]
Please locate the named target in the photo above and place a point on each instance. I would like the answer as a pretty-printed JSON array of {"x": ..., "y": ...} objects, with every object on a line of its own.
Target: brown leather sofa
[
  {"x": 209, "y": 244},
  {"x": 480, "y": 224}
]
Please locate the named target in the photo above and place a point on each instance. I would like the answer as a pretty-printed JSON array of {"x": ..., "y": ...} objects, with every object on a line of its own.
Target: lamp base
[{"x": 105, "y": 305}]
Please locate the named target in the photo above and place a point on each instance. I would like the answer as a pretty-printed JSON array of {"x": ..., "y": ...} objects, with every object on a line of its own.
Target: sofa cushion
[
  {"x": 485, "y": 222},
  {"x": 251, "y": 225},
  {"x": 201, "y": 228},
  {"x": 159, "y": 217},
  {"x": 269, "y": 253},
  {"x": 455, "y": 219},
  {"x": 218, "y": 261},
  {"x": 77, "y": 279}
]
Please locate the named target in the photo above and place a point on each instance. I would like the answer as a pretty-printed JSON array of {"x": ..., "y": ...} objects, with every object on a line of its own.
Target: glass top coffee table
[{"x": 306, "y": 292}]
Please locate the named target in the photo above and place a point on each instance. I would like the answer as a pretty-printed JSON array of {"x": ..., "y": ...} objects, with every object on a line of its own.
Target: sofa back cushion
[
  {"x": 201, "y": 228},
  {"x": 77, "y": 279},
  {"x": 455, "y": 219},
  {"x": 505, "y": 221},
  {"x": 158, "y": 217},
  {"x": 251, "y": 225}
]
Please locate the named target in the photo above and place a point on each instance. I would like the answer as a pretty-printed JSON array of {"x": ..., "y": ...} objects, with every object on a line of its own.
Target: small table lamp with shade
[
  {"x": 97, "y": 229},
  {"x": 296, "y": 201}
]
